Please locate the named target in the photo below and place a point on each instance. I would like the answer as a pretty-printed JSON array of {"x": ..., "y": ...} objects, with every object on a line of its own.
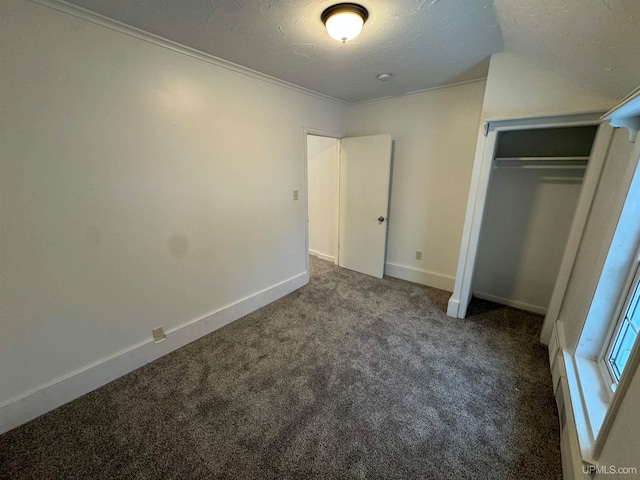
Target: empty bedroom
[{"x": 283, "y": 239}]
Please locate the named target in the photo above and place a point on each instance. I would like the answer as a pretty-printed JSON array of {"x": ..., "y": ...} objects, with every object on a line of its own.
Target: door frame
[
  {"x": 479, "y": 188},
  {"x": 318, "y": 133}
]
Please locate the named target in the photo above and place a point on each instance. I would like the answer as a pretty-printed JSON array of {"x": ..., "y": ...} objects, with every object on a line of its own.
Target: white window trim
[
  {"x": 621, "y": 310},
  {"x": 593, "y": 402},
  {"x": 585, "y": 440},
  {"x": 589, "y": 399},
  {"x": 593, "y": 415},
  {"x": 623, "y": 387}
]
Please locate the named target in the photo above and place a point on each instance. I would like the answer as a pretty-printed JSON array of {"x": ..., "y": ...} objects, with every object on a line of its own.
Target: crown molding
[
  {"x": 102, "y": 21},
  {"x": 420, "y": 92}
]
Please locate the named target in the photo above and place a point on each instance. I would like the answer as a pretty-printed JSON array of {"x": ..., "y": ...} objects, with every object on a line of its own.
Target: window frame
[{"x": 631, "y": 285}]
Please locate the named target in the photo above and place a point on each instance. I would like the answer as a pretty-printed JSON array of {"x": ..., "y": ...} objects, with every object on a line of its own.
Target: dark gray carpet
[{"x": 348, "y": 377}]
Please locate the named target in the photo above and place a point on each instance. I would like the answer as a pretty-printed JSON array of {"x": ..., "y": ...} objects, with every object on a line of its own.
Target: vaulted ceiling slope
[
  {"x": 423, "y": 43},
  {"x": 594, "y": 42}
]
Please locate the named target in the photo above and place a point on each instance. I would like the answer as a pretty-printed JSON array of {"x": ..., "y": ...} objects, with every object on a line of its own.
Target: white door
[{"x": 365, "y": 173}]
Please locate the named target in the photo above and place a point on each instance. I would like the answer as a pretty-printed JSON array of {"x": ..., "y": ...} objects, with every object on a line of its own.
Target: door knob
[{"x": 380, "y": 219}]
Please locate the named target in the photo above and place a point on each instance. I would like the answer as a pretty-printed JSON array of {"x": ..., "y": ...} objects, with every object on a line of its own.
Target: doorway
[
  {"x": 323, "y": 167},
  {"x": 348, "y": 184}
]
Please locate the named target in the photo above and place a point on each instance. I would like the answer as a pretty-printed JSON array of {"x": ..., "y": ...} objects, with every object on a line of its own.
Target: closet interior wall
[{"x": 532, "y": 198}]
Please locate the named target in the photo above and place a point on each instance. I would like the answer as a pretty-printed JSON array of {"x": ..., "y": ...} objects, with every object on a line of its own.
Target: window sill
[{"x": 589, "y": 400}]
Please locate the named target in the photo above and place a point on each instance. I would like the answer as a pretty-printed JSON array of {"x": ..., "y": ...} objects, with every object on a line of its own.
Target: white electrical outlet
[
  {"x": 295, "y": 194},
  {"x": 158, "y": 334},
  {"x": 418, "y": 255}
]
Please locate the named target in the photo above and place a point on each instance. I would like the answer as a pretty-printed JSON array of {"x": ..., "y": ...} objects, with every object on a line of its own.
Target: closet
[
  {"x": 527, "y": 179},
  {"x": 534, "y": 189}
]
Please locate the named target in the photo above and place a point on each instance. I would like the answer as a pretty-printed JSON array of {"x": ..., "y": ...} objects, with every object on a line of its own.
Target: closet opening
[
  {"x": 533, "y": 178},
  {"x": 535, "y": 185}
]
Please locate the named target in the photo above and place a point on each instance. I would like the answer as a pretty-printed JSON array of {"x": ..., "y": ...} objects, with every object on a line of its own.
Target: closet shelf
[{"x": 570, "y": 163}]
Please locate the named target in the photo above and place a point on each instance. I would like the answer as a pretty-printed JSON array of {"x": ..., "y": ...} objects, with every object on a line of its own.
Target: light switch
[{"x": 295, "y": 194}]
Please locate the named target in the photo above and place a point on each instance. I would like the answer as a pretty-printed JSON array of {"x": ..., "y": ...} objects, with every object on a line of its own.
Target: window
[{"x": 625, "y": 332}]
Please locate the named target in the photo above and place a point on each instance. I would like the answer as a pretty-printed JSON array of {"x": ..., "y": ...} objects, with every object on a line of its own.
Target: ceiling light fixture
[{"x": 344, "y": 21}]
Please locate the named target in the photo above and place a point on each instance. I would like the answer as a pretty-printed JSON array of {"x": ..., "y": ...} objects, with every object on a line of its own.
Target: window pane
[
  {"x": 633, "y": 313},
  {"x": 626, "y": 336}
]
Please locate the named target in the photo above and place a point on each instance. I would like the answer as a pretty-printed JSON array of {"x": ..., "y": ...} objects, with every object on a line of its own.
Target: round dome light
[{"x": 344, "y": 21}]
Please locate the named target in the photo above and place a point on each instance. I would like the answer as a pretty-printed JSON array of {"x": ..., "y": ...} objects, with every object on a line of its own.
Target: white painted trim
[
  {"x": 579, "y": 417},
  {"x": 424, "y": 277},
  {"x": 482, "y": 165},
  {"x": 555, "y": 367},
  {"x": 580, "y": 387},
  {"x": 511, "y": 303},
  {"x": 100, "y": 20},
  {"x": 339, "y": 155},
  {"x": 453, "y": 307},
  {"x": 51, "y": 395},
  {"x": 627, "y": 114},
  {"x": 628, "y": 374},
  {"x": 323, "y": 133},
  {"x": 595, "y": 395},
  {"x": 572, "y": 461},
  {"x": 591, "y": 180},
  {"x": 322, "y": 256},
  {"x": 578, "y": 119},
  {"x": 426, "y": 90}
]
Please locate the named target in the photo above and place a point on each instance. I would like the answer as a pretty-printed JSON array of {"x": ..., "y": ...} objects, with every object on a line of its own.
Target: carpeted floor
[{"x": 348, "y": 377}]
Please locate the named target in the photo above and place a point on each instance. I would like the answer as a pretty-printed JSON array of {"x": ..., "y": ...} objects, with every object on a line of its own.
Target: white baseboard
[
  {"x": 45, "y": 398},
  {"x": 511, "y": 303},
  {"x": 424, "y": 277},
  {"x": 322, "y": 256},
  {"x": 453, "y": 307}
]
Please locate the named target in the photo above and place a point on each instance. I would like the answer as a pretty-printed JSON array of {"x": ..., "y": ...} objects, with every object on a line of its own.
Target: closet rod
[
  {"x": 542, "y": 159},
  {"x": 547, "y": 163},
  {"x": 543, "y": 167}
]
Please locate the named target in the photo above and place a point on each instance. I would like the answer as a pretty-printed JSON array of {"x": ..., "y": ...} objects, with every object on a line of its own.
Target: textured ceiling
[
  {"x": 423, "y": 43},
  {"x": 594, "y": 42}
]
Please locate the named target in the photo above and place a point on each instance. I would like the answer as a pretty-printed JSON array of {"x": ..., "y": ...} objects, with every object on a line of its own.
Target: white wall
[
  {"x": 322, "y": 177},
  {"x": 434, "y": 140},
  {"x": 623, "y": 442},
  {"x": 516, "y": 88},
  {"x": 139, "y": 187},
  {"x": 524, "y": 232}
]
